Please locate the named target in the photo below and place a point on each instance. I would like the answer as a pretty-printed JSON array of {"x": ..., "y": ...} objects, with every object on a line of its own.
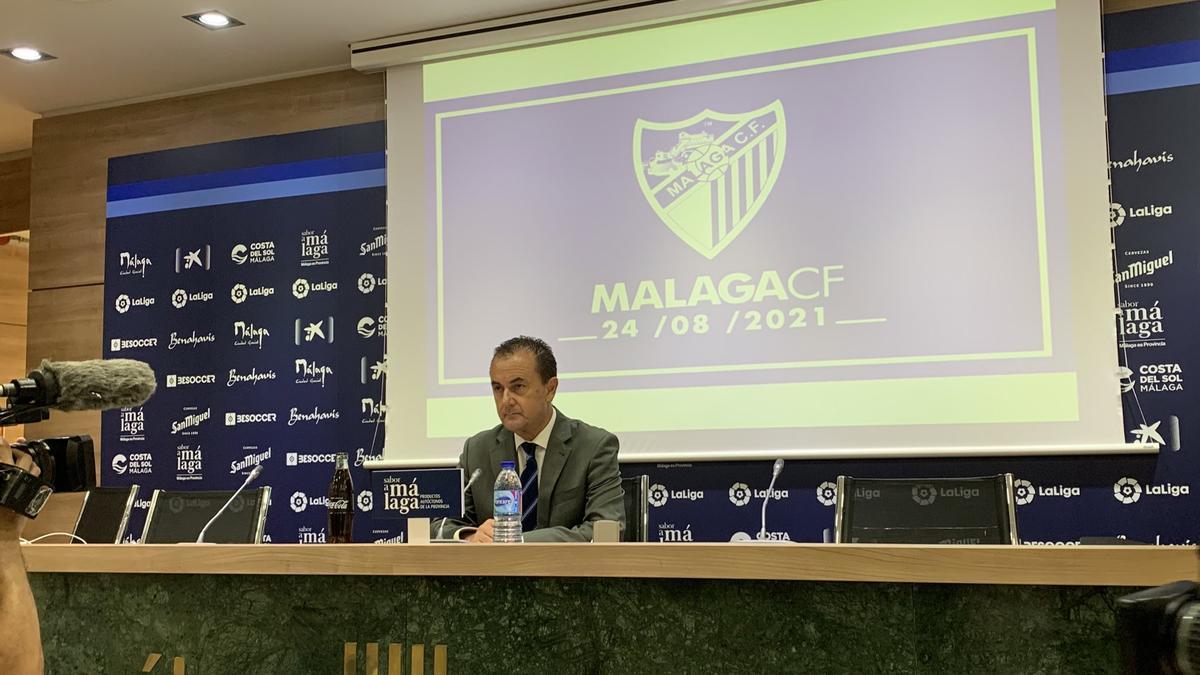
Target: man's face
[{"x": 522, "y": 399}]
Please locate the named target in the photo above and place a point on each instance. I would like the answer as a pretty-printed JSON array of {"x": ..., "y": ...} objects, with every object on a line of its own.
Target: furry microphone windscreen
[{"x": 98, "y": 384}]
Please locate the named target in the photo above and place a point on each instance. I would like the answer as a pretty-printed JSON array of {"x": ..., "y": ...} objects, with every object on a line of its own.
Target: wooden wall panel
[
  {"x": 14, "y": 195},
  {"x": 65, "y": 325},
  {"x": 69, "y": 179},
  {"x": 71, "y": 152}
]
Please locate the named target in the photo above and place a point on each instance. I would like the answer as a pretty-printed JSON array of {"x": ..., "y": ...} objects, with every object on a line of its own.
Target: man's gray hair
[{"x": 547, "y": 367}]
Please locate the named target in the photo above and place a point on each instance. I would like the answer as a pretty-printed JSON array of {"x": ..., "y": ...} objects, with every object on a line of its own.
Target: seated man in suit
[{"x": 568, "y": 468}]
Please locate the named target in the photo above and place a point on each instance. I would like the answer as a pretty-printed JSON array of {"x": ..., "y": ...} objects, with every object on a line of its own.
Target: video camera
[
  {"x": 67, "y": 464},
  {"x": 1158, "y": 629}
]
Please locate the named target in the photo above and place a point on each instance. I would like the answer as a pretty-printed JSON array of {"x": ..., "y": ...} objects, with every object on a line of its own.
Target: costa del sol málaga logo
[
  {"x": 1127, "y": 490},
  {"x": 707, "y": 176}
]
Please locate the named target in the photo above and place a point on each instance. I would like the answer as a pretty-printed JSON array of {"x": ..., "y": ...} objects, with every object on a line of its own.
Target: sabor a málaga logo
[{"x": 689, "y": 170}]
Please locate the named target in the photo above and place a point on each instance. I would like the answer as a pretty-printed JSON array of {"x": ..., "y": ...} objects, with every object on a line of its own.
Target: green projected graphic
[{"x": 741, "y": 34}]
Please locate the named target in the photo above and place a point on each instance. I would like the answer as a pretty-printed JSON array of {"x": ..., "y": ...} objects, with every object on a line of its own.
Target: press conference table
[{"x": 565, "y": 608}]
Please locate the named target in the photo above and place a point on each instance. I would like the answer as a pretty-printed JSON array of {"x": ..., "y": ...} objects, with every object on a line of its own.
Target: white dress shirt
[{"x": 541, "y": 441}]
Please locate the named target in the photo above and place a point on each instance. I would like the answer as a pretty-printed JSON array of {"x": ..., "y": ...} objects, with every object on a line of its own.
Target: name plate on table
[{"x": 401, "y": 494}]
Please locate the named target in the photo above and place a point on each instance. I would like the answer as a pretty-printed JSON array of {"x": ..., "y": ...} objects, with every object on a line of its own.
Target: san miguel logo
[{"x": 707, "y": 176}]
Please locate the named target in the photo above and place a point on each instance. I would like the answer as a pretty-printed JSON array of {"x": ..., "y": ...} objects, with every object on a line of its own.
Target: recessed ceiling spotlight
[
  {"x": 28, "y": 54},
  {"x": 214, "y": 20}
]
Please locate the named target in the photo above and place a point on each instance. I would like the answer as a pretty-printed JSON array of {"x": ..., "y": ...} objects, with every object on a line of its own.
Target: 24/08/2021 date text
[{"x": 699, "y": 324}]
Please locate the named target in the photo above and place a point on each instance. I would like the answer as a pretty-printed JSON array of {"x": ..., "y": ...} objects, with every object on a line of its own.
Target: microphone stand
[
  {"x": 253, "y": 474},
  {"x": 442, "y": 527},
  {"x": 776, "y": 470}
]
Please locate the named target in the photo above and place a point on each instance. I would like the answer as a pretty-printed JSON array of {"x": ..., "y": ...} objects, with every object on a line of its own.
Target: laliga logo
[
  {"x": 301, "y": 288},
  {"x": 299, "y": 501},
  {"x": 658, "y": 494},
  {"x": 120, "y": 464},
  {"x": 924, "y": 495},
  {"x": 1116, "y": 214},
  {"x": 827, "y": 493},
  {"x": 1127, "y": 490},
  {"x": 238, "y": 293},
  {"x": 366, "y": 500},
  {"x": 739, "y": 494},
  {"x": 179, "y": 298},
  {"x": 367, "y": 282},
  {"x": 1023, "y": 491}
]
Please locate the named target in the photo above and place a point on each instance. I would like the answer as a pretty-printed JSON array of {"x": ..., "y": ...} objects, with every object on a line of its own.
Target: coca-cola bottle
[{"x": 341, "y": 503}]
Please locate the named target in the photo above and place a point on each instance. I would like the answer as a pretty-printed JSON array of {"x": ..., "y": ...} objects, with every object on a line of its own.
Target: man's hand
[
  {"x": 11, "y": 522},
  {"x": 483, "y": 535}
]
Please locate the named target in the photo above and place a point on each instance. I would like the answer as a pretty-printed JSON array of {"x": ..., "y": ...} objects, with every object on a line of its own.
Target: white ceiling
[{"x": 120, "y": 50}]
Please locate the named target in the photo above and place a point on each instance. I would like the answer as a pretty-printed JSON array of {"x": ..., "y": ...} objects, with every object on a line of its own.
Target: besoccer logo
[
  {"x": 366, "y": 500},
  {"x": 1116, "y": 214},
  {"x": 827, "y": 493},
  {"x": 924, "y": 494},
  {"x": 179, "y": 298},
  {"x": 299, "y": 501},
  {"x": 1023, "y": 491},
  {"x": 739, "y": 494},
  {"x": 366, "y": 283},
  {"x": 658, "y": 494},
  {"x": 1127, "y": 490},
  {"x": 300, "y": 289},
  {"x": 238, "y": 293},
  {"x": 123, "y": 303}
]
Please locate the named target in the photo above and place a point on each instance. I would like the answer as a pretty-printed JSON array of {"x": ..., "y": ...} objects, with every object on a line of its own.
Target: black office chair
[
  {"x": 104, "y": 515},
  {"x": 637, "y": 508},
  {"x": 177, "y": 517},
  {"x": 926, "y": 510}
]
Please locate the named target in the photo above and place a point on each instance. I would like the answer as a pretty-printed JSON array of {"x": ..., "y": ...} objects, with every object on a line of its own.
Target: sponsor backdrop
[{"x": 249, "y": 274}]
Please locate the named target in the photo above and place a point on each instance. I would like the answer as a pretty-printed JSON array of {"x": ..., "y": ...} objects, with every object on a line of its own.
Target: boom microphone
[{"x": 98, "y": 384}]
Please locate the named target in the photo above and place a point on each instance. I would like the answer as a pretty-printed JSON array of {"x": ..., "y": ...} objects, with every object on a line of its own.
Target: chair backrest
[
  {"x": 637, "y": 508},
  {"x": 978, "y": 510},
  {"x": 105, "y": 514},
  {"x": 177, "y": 517}
]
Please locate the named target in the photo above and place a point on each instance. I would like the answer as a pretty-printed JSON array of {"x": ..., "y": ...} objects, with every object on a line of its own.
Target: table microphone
[
  {"x": 253, "y": 474},
  {"x": 474, "y": 475},
  {"x": 775, "y": 471}
]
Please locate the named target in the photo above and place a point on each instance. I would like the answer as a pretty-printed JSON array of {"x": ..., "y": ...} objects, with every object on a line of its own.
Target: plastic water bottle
[{"x": 506, "y": 505}]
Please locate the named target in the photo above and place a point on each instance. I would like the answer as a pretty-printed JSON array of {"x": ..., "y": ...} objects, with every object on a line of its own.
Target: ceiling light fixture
[
  {"x": 214, "y": 20},
  {"x": 27, "y": 54}
]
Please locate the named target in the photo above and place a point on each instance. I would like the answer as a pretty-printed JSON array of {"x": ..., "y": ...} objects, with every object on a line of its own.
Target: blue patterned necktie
[{"x": 529, "y": 487}]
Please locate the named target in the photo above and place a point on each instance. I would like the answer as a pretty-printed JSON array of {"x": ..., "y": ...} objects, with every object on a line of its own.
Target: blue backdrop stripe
[
  {"x": 355, "y": 180},
  {"x": 258, "y": 174},
  {"x": 1148, "y": 79},
  {"x": 1152, "y": 57}
]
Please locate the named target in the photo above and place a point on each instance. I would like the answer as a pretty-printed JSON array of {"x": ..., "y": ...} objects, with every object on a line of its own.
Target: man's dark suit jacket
[{"x": 580, "y": 480}]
